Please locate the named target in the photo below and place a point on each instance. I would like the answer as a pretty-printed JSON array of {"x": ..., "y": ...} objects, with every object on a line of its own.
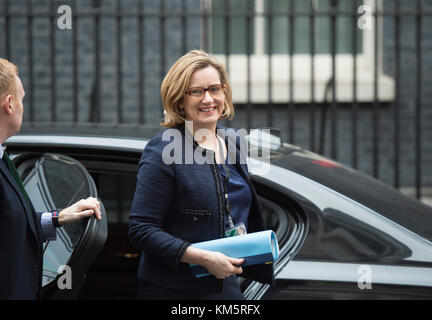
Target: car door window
[{"x": 57, "y": 182}]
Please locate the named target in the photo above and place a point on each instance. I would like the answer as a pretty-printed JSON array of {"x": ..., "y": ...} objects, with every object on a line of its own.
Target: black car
[{"x": 341, "y": 233}]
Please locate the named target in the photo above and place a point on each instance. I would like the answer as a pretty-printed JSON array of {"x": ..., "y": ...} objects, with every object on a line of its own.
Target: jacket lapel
[{"x": 28, "y": 212}]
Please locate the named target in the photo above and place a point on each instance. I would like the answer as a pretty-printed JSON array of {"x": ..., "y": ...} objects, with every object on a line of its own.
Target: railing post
[
  {"x": 141, "y": 65},
  {"x": 333, "y": 41},
  {"x": 8, "y": 31},
  {"x": 397, "y": 96},
  {"x": 205, "y": 10},
  {"x": 119, "y": 64},
  {"x": 270, "y": 65},
  {"x": 312, "y": 73},
  {"x": 30, "y": 59},
  {"x": 375, "y": 112},
  {"x": 354, "y": 104},
  {"x": 94, "y": 110},
  {"x": 291, "y": 42},
  {"x": 53, "y": 77},
  {"x": 418, "y": 108}
]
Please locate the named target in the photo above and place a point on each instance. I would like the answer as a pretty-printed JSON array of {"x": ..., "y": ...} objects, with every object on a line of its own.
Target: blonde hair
[
  {"x": 176, "y": 82},
  {"x": 8, "y": 71}
]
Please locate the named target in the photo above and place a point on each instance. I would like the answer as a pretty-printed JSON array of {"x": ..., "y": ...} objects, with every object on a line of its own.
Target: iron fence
[{"x": 305, "y": 24}]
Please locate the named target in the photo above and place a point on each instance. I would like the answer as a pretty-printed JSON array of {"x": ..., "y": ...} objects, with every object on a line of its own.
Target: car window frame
[{"x": 93, "y": 235}]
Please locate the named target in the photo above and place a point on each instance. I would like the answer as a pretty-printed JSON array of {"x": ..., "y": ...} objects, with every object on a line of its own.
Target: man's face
[{"x": 17, "y": 103}]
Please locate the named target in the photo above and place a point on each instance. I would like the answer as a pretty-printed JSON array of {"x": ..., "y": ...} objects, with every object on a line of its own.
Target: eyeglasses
[{"x": 214, "y": 91}]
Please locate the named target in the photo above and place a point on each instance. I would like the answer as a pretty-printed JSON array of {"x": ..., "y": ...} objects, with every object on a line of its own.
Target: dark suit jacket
[
  {"x": 21, "y": 241},
  {"x": 179, "y": 204}
]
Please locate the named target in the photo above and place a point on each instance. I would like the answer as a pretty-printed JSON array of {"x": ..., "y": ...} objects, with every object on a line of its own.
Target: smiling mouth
[{"x": 207, "y": 109}]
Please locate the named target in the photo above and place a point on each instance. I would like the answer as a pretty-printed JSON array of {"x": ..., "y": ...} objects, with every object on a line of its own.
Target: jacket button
[{"x": 195, "y": 218}]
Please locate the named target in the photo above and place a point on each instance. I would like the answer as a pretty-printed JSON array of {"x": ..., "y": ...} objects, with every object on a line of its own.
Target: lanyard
[{"x": 225, "y": 183}]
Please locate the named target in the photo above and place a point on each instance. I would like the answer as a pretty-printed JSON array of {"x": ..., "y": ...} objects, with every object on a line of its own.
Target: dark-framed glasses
[{"x": 214, "y": 91}]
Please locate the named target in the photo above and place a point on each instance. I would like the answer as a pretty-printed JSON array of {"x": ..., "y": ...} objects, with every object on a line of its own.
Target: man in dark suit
[{"x": 22, "y": 230}]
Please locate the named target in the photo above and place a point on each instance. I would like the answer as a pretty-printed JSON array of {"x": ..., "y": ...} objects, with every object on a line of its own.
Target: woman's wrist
[{"x": 196, "y": 256}]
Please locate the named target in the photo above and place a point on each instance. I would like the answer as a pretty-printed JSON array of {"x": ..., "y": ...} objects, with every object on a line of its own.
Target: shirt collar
[{"x": 1, "y": 151}]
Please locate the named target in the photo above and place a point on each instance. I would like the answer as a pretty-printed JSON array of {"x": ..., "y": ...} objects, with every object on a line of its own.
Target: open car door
[{"x": 58, "y": 181}]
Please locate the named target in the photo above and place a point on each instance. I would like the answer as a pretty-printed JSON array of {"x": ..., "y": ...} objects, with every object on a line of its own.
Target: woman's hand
[
  {"x": 216, "y": 263},
  {"x": 222, "y": 266}
]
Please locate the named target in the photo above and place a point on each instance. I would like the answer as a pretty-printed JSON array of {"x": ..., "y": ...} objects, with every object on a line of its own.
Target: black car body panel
[
  {"x": 370, "y": 192},
  {"x": 331, "y": 220}
]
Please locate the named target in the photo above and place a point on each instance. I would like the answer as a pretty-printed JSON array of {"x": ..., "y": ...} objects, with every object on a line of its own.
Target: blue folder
[{"x": 255, "y": 248}]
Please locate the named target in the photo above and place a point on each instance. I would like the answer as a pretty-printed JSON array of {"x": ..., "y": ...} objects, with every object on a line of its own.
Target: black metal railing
[{"x": 322, "y": 111}]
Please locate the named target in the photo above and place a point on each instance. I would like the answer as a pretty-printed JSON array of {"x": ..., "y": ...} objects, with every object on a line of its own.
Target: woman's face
[{"x": 204, "y": 111}]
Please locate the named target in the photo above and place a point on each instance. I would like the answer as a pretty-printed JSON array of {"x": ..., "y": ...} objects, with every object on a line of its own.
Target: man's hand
[{"x": 80, "y": 210}]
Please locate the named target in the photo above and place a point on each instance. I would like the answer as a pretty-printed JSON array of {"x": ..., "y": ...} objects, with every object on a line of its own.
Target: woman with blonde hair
[{"x": 185, "y": 201}]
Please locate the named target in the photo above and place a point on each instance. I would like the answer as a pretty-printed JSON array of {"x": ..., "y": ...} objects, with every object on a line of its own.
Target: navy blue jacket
[
  {"x": 181, "y": 203},
  {"x": 20, "y": 242}
]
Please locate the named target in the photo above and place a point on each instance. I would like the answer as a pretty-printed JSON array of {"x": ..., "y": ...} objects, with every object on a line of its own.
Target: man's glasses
[{"x": 215, "y": 91}]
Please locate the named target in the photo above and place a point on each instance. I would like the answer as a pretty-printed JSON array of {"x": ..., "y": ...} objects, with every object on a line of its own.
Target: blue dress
[{"x": 239, "y": 195}]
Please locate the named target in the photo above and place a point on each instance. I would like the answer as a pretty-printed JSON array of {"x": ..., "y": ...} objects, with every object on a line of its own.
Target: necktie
[{"x": 14, "y": 173}]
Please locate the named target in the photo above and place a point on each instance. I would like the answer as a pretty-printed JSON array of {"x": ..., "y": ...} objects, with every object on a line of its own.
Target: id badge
[{"x": 237, "y": 230}]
